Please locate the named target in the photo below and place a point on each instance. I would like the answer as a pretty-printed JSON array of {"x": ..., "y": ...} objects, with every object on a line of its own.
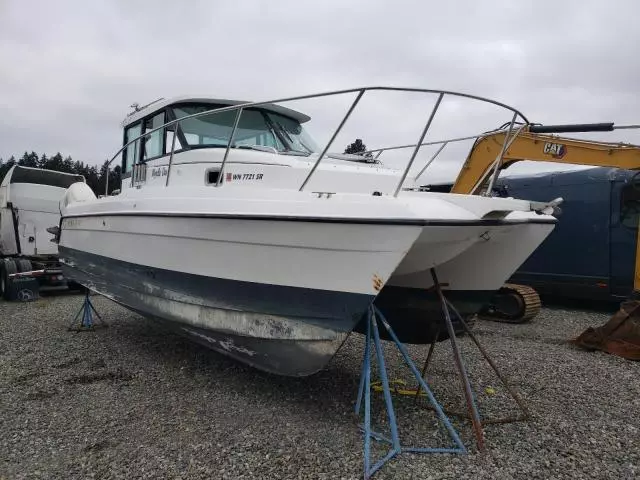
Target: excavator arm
[
  {"x": 520, "y": 303},
  {"x": 537, "y": 147}
]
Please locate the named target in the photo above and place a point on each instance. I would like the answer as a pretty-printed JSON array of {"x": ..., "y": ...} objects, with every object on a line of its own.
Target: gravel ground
[{"x": 132, "y": 401}]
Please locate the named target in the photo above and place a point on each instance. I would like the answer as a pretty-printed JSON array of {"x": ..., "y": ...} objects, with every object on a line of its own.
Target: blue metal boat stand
[
  {"x": 364, "y": 390},
  {"x": 86, "y": 312}
]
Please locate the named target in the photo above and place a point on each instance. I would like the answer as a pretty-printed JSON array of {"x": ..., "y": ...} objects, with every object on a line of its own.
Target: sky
[{"x": 69, "y": 70}]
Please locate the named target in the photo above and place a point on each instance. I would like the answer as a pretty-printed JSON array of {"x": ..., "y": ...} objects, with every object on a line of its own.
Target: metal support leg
[
  {"x": 432, "y": 347},
  {"x": 525, "y": 411},
  {"x": 471, "y": 404},
  {"x": 86, "y": 312},
  {"x": 364, "y": 390},
  {"x": 473, "y": 413}
]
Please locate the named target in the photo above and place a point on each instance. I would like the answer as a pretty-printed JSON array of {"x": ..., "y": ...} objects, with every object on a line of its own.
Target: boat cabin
[{"x": 270, "y": 147}]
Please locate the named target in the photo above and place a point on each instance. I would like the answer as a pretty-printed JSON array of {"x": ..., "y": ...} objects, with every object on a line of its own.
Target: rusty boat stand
[
  {"x": 372, "y": 342},
  {"x": 472, "y": 413}
]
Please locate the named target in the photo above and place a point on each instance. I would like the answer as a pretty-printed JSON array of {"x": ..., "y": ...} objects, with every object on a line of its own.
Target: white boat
[{"x": 233, "y": 228}]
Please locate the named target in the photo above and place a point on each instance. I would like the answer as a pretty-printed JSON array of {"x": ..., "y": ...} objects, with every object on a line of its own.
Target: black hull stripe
[
  {"x": 335, "y": 310},
  {"x": 294, "y": 218}
]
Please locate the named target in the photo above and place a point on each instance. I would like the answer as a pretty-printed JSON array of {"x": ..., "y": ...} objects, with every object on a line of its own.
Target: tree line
[{"x": 94, "y": 176}]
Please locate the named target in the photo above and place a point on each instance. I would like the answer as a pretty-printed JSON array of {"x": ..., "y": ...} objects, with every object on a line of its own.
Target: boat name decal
[
  {"x": 556, "y": 150},
  {"x": 71, "y": 222},
  {"x": 159, "y": 172},
  {"x": 243, "y": 176}
]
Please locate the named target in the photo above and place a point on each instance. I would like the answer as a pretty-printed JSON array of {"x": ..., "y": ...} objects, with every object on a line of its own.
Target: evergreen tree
[
  {"x": 356, "y": 148},
  {"x": 29, "y": 160},
  {"x": 54, "y": 163},
  {"x": 42, "y": 161},
  {"x": 67, "y": 165}
]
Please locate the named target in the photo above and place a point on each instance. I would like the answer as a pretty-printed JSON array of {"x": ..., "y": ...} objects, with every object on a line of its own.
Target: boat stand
[
  {"x": 86, "y": 314},
  {"x": 473, "y": 413},
  {"x": 364, "y": 390}
]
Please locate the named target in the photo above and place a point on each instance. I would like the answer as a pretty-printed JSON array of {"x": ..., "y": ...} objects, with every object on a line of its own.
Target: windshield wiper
[
  {"x": 260, "y": 148},
  {"x": 296, "y": 153}
]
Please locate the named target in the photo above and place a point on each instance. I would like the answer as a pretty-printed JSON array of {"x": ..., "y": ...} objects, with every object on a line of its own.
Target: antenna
[{"x": 136, "y": 106}]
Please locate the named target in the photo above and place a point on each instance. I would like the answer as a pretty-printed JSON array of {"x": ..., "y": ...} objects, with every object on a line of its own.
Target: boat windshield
[
  {"x": 294, "y": 133},
  {"x": 256, "y": 128},
  {"x": 44, "y": 177}
]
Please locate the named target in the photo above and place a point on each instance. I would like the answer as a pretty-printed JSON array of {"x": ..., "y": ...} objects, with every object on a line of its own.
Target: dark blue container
[{"x": 591, "y": 254}]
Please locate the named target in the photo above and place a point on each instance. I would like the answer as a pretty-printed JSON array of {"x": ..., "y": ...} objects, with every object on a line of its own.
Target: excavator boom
[{"x": 540, "y": 148}]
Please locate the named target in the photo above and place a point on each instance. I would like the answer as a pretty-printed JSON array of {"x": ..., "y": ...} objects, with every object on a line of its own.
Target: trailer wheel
[
  {"x": 7, "y": 267},
  {"x": 24, "y": 265}
]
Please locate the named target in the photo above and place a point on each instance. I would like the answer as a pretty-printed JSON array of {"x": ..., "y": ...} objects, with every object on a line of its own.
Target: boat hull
[
  {"x": 282, "y": 291},
  {"x": 468, "y": 280},
  {"x": 289, "y": 331},
  {"x": 416, "y": 315},
  {"x": 279, "y": 296}
]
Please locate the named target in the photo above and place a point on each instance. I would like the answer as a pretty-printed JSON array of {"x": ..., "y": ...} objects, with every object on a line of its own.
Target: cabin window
[
  {"x": 214, "y": 130},
  {"x": 44, "y": 177},
  {"x": 295, "y": 135},
  {"x": 629, "y": 207},
  {"x": 169, "y": 140},
  {"x": 253, "y": 129},
  {"x": 153, "y": 142},
  {"x": 132, "y": 151}
]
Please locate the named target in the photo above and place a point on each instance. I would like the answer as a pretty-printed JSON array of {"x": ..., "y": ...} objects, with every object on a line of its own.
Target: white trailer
[{"x": 29, "y": 204}]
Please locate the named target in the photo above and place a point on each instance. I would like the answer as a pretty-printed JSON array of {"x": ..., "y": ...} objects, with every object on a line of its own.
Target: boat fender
[{"x": 77, "y": 192}]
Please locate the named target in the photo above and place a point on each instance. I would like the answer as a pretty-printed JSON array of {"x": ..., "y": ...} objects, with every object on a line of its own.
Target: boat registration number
[{"x": 243, "y": 176}]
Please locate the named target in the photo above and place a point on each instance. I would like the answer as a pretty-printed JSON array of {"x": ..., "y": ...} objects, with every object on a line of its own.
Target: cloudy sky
[{"x": 69, "y": 70}]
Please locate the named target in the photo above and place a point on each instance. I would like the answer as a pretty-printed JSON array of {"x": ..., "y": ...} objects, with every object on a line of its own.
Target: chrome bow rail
[
  {"x": 360, "y": 92},
  {"x": 512, "y": 134}
]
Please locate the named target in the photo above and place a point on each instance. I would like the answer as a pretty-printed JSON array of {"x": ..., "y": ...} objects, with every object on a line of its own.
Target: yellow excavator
[{"x": 520, "y": 303}]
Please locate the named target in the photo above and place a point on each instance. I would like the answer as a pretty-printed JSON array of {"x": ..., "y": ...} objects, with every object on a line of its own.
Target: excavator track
[{"x": 512, "y": 304}]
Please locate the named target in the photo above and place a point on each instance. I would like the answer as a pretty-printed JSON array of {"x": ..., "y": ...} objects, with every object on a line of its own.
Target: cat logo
[{"x": 556, "y": 150}]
